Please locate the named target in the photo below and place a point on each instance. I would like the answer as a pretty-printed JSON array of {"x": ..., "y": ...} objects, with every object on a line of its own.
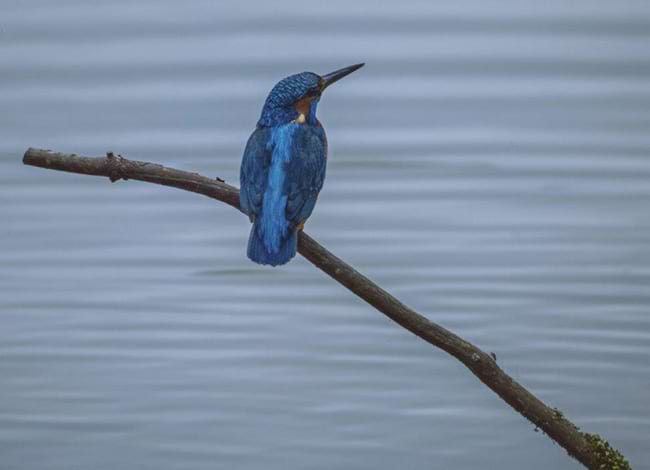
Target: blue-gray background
[{"x": 489, "y": 166}]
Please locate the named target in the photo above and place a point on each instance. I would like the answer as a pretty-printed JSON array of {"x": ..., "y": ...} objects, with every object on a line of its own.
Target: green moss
[{"x": 610, "y": 458}]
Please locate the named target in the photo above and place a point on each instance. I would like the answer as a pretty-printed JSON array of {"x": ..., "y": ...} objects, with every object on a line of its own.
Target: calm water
[{"x": 490, "y": 166}]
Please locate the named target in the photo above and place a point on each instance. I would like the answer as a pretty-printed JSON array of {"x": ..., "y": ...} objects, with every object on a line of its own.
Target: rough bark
[{"x": 589, "y": 449}]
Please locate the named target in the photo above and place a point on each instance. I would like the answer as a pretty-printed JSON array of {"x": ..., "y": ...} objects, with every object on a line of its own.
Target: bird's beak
[{"x": 327, "y": 80}]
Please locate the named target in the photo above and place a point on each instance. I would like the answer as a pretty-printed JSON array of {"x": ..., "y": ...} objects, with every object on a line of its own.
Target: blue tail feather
[{"x": 261, "y": 254}]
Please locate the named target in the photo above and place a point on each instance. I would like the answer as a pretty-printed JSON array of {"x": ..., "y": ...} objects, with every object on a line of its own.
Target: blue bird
[{"x": 283, "y": 167}]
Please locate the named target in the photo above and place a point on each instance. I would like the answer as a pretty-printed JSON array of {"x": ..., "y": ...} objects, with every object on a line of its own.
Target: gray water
[{"x": 489, "y": 166}]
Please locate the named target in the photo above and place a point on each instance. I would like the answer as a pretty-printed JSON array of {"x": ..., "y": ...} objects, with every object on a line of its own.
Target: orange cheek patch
[{"x": 302, "y": 106}]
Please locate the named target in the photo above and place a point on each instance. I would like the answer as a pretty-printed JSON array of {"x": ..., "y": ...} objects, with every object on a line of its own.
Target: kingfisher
[{"x": 283, "y": 167}]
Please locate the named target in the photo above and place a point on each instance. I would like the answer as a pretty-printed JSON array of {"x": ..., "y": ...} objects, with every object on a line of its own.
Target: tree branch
[{"x": 589, "y": 449}]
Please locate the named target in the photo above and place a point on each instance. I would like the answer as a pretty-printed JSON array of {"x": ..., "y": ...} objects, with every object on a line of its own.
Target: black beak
[{"x": 327, "y": 80}]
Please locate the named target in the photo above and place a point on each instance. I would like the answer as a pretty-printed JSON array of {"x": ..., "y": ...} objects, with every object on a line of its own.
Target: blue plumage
[
  {"x": 283, "y": 167},
  {"x": 279, "y": 107}
]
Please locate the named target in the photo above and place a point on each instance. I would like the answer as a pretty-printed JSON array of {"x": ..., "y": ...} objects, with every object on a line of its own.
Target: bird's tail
[{"x": 259, "y": 253}]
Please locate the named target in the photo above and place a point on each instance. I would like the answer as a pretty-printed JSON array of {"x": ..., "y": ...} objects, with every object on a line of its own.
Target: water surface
[{"x": 489, "y": 166}]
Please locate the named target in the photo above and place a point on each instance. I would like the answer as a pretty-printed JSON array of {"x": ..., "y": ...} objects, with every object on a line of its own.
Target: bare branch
[{"x": 589, "y": 449}]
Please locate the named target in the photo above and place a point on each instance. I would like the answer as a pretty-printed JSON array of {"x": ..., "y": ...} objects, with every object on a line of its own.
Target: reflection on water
[{"x": 489, "y": 166}]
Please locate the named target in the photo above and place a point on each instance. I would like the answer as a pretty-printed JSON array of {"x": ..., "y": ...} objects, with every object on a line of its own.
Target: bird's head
[{"x": 295, "y": 98}]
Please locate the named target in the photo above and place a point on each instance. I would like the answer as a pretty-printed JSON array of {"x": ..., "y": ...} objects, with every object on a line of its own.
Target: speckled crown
[{"x": 285, "y": 93}]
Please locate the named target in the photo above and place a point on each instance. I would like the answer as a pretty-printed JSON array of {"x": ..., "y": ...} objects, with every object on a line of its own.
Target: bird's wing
[
  {"x": 253, "y": 176},
  {"x": 305, "y": 173}
]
